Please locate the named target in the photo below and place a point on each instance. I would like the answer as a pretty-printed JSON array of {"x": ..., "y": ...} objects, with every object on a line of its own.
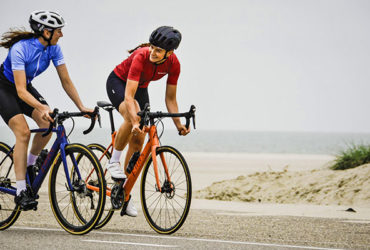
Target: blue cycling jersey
[{"x": 32, "y": 57}]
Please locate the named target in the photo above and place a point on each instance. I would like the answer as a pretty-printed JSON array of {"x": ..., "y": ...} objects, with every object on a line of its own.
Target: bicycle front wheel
[
  {"x": 167, "y": 210},
  {"x": 104, "y": 157},
  {"x": 78, "y": 208},
  {"x": 9, "y": 212}
]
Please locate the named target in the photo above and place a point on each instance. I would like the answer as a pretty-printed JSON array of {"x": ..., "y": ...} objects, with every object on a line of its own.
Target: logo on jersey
[
  {"x": 60, "y": 62},
  {"x": 162, "y": 73}
]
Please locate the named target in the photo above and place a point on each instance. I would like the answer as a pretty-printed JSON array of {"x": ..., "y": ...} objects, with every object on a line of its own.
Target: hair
[
  {"x": 140, "y": 46},
  {"x": 12, "y": 36}
]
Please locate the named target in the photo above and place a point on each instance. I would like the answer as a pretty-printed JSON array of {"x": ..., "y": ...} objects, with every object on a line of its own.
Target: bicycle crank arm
[{"x": 124, "y": 207}]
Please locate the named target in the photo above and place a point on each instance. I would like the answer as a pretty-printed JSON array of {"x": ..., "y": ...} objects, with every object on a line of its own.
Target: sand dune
[{"x": 318, "y": 186}]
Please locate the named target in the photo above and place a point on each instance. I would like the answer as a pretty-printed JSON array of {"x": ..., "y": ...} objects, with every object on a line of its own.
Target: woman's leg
[
  {"x": 124, "y": 135},
  {"x": 39, "y": 141},
  {"x": 135, "y": 144},
  {"x": 19, "y": 126},
  {"x": 22, "y": 134}
]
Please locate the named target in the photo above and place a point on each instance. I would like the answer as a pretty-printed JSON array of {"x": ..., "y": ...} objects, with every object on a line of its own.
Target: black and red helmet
[{"x": 165, "y": 37}]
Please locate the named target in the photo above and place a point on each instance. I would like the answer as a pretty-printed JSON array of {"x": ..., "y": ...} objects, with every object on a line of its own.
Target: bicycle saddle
[{"x": 105, "y": 105}]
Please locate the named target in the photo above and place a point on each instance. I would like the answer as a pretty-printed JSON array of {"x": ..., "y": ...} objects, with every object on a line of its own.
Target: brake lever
[
  {"x": 144, "y": 115},
  {"x": 190, "y": 115},
  {"x": 93, "y": 120}
]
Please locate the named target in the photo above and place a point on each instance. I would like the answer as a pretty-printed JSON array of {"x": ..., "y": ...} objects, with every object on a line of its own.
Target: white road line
[
  {"x": 128, "y": 243},
  {"x": 183, "y": 238},
  {"x": 216, "y": 241}
]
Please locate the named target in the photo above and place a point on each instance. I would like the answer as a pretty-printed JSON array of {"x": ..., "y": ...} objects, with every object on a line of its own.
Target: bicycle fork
[{"x": 149, "y": 148}]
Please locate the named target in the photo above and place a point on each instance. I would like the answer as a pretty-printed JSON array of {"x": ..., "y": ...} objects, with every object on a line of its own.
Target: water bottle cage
[{"x": 40, "y": 160}]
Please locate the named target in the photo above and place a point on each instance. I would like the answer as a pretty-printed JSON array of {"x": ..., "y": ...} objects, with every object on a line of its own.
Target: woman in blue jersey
[{"x": 29, "y": 55}]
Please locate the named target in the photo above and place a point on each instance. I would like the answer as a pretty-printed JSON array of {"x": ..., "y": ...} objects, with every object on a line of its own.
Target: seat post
[{"x": 111, "y": 120}]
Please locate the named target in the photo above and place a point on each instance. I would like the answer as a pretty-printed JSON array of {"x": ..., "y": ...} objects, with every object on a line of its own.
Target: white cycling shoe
[
  {"x": 130, "y": 209},
  {"x": 115, "y": 170}
]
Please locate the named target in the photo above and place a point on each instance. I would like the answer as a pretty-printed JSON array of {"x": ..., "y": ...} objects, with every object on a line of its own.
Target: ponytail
[
  {"x": 140, "y": 46},
  {"x": 13, "y": 36}
]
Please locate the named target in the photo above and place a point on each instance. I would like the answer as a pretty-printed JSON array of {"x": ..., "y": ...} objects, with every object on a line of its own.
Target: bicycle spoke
[
  {"x": 154, "y": 202},
  {"x": 155, "y": 207},
  {"x": 153, "y": 193}
]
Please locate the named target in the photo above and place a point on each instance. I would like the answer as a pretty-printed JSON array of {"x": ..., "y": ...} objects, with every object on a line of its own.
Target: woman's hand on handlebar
[
  {"x": 45, "y": 113},
  {"x": 87, "y": 110},
  {"x": 183, "y": 130},
  {"x": 136, "y": 129}
]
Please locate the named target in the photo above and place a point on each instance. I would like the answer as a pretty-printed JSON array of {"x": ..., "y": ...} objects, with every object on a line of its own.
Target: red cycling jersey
[{"x": 137, "y": 67}]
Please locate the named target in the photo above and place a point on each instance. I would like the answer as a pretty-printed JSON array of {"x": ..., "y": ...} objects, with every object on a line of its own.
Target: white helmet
[{"x": 41, "y": 19}]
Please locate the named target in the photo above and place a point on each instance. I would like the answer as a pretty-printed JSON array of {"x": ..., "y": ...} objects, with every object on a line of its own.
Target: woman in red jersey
[{"x": 127, "y": 90}]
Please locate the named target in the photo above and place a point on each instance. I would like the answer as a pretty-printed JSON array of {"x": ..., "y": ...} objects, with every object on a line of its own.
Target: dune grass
[{"x": 354, "y": 156}]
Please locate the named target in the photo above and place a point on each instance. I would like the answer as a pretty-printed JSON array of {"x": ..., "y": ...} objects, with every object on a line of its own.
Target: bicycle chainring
[{"x": 117, "y": 196}]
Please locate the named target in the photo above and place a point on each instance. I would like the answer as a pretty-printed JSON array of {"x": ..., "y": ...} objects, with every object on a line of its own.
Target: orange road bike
[{"x": 165, "y": 182}]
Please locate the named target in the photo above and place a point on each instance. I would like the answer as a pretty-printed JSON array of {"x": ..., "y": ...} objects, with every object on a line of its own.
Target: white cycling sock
[
  {"x": 21, "y": 185},
  {"x": 116, "y": 156},
  {"x": 31, "y": 160}
]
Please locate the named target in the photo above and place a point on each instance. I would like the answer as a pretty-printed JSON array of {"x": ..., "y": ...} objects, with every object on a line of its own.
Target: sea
[{"x": 232, "y": 141}]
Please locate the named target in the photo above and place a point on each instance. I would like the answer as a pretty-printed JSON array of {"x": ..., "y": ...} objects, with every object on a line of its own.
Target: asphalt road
[{"x": 203, "y": 229}]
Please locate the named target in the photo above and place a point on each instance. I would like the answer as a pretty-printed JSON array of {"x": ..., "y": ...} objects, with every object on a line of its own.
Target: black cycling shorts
[
  {"x": 116, "y": 92},
  {"x": 11, "y": 104}
]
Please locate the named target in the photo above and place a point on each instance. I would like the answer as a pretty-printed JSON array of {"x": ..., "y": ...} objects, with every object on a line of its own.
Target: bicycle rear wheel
[
  {"x": 9, "y": 212},
  {"x": 77, "y": 210},
  {"x": 166, "y": 211},
  {"x": 104, "y": 159}
]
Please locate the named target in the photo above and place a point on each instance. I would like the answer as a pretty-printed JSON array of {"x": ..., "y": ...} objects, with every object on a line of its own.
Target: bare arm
[
  {"x": 21, "y": 86},
  {"x": 172, "y": 107},
  {"x": 130, "y": 91},
  {"x": 69, "y": 88}
]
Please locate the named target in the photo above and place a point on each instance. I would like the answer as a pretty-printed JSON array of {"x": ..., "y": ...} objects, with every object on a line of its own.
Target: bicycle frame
[
  {"x": 59, "y": 146},
  {"x": 150, "y": 148}
]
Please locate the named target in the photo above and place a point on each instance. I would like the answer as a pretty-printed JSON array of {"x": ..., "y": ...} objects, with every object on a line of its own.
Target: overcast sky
[{"x": 265, "y": 65}]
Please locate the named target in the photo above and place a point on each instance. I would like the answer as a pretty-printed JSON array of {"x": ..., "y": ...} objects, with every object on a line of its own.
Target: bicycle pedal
[{"x": 29, "y": 207}]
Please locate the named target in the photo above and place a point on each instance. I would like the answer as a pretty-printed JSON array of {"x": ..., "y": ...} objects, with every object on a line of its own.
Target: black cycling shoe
[{"x": 25, "y": 200}]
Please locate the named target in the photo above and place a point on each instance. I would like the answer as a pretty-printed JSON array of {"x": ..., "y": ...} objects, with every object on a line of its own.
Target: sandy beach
[
  {"x": 275, "y": 184},
  {"x": 318, "y": 186}
]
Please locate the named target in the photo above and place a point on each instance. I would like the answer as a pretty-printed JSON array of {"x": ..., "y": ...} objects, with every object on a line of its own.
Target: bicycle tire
[
  {"x": 68, "y": 206},
  {"x": 99, "y": 150},
  {"x": 173, "y": 207},
  {"x": 9, "y": 211}
]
